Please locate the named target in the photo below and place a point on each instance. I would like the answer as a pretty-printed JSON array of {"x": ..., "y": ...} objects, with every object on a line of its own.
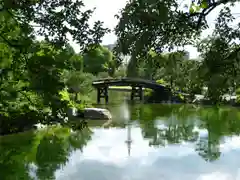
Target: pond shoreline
[
  {"x": 176, "y": 135},
  {"x": 19, "y": 127}
]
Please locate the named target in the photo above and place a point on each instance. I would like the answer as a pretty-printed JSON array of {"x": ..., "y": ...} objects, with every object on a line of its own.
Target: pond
[{"x": 150, "y": 141}]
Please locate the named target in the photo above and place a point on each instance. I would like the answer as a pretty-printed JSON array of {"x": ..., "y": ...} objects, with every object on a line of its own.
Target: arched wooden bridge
[{"x": 137, "y": 85}]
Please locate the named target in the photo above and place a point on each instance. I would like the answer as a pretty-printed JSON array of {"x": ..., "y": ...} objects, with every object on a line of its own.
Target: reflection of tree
[
  {"x": 214, "y": 122},
  {"x": 55, "y": 148},
  {"x": 155, "y": 139},
  {"x": 218, "y": 122},
  {"x": 180, "y": 123},
  {"x": 208, "y": 149},
  {"x": 173, "y": 132},
  {"x": 13, "y": 152},
  {"x": 48, "y": 149},
  {"x": 51, "y": 154},
  {"x": 180, "y": 132},
  {"x": 79, "y": 139},
  {"x": 149, "y": 131}
]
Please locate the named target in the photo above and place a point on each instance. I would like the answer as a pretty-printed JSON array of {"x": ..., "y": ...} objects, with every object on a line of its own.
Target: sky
[
  {"x": 106, "y": 9},
  {"x": 105, "y": 158}
]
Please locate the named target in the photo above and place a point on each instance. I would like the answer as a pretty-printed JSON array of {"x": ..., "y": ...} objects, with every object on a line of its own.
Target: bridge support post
[
  {"x": 137, "y": 92},
  {"x": 102, "y": 92}
]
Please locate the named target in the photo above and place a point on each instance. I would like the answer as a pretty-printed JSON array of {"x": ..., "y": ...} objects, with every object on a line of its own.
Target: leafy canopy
[
  {"x": 165, "y": 24},
  {"x": 31, "y": 72}
]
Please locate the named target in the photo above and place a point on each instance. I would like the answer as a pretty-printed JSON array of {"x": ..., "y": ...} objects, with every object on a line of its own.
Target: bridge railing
[
  {"x": 104, "y": 79},
  {"x": 131, "y": 80},
  {"x": 124, "y": 79}
]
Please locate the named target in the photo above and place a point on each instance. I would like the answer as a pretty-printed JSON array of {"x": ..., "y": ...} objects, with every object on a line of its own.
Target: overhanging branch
[
  {"x": 202, "y": 15},
  {"x": 9, "y": 43},
  {"x": 234, "y": 53}
]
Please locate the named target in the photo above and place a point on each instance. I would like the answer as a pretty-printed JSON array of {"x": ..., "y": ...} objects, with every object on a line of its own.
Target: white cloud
[
  {"x": 105, "y": 11},
  {"x": 216, "y": 176},
  {"x": 105, "y": 157}
]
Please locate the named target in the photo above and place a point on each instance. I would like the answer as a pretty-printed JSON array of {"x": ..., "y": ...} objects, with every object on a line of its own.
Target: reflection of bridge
[{"x": 137, "y": 85}]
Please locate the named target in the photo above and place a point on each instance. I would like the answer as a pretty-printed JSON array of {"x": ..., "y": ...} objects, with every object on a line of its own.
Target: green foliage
[
  {"x": 65, "y": 98},
  {"x": 34, "y": 75},
  {"x": 148, "y": 28},
  {"x": 148, "y": 92},
  {"x": 120, "y": 72},
  {"x": 32, "y": 72},
  {"x": 76, "y": 62},
  {"x": 103, "y": 75},
  {"x": 98, "y": 60},
  {"x": 162, "y": 24},
  {"x": 48, "y": 149},
  {"x": 79, "y": 85},
  {"x": 161, "y": 81},
  {"x": 79, "y": 82},
  {"x": 238, "y": 95},
  {"x": 153, "y": 24},
  {"x": 219, "y": 71},
  {"x": 181, "y": 96}
]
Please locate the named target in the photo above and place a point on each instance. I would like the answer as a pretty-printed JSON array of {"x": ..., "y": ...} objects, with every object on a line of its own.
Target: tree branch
[
  {"x": 202, "y": 15},
  {"x": 234, "y": 53},
  {"x": 29, "y": 100},
  {"x": 17, "y": 46}
]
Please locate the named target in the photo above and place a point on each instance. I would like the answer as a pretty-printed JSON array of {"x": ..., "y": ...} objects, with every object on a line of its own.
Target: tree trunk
[{"x": 132, "y": 67}]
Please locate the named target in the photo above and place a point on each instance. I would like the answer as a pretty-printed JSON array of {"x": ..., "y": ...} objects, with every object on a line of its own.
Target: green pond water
[{"x": 157, "y": 142}]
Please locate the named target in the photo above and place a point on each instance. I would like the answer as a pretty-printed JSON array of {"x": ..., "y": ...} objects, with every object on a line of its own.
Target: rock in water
[
  {"x": 90, "y": 113},
  {"x": 97, "y": 113}
]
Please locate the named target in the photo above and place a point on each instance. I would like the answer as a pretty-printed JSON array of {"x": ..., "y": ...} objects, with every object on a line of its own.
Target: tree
[
  {"x": 121, "y": 71},
  {"x": 98, "y": 60},
  {"x": 31, "y": 72},
  {"x": 48, "y": 149},
  {"x": 76, "y": 62},
  {"x": 79, "y": 83},
  {"x": 189, "y": 80},
  {"x": 220, "y": 56},
  {"x": 13, "y": 153},
  {"x": 162, "y": 24},
  {"x": 172, "y": 63}
]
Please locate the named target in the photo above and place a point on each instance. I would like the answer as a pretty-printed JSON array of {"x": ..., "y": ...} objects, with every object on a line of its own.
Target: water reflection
[
  {"x": 166, "y": 141},
  {"x": 103, "y": 158},
  {"x": 124, "y": 110},
  {"x": 37, "y": 155}
]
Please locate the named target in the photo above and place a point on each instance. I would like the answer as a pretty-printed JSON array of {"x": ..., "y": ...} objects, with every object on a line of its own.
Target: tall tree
[
  {"x": 98, "y": 60},
  {"x": 31, "y": 73},
  {"x": 163, "y": 25}
]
